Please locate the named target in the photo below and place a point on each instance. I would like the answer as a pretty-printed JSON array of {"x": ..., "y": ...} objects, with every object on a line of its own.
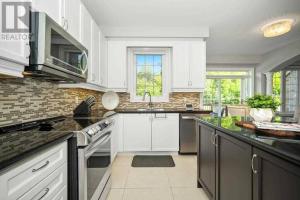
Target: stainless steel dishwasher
[{"x": 187, "y": 134}]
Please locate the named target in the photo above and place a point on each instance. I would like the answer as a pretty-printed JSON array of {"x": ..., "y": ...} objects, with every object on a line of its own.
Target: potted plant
[{"x": 262, "y": 107}]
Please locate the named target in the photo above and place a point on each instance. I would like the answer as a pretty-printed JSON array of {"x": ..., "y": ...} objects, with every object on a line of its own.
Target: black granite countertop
[
  {"x": 286, "y": 148},
  {"x": 18, "y": 145},
  {"x": 164, "y": 110},
  {"x": 15, "y": 146}
]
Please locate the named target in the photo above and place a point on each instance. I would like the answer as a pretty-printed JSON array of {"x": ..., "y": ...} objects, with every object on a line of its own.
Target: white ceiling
[{"x": 234, "y": 24}]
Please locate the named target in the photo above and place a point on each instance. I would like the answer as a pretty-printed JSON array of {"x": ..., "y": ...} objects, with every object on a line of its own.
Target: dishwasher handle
[{"x": 188, "y": 117}]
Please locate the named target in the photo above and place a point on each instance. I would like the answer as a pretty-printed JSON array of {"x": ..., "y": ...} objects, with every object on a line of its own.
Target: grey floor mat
[{"x": 152, "y": 161}]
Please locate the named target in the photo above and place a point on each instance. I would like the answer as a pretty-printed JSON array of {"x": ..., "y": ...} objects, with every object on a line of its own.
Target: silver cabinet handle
[
  {"x": 216, "y": 140},
  {"x": 46, "y": 192},
  {"x": 162, "y": 117},
  {"x": 252, "y": 164},
  {"x": 41, "y": 167},
  {"x": 67, "y": 23},
  {"x": 212, "y": 138},
  {"x": 63, "y": 22}
]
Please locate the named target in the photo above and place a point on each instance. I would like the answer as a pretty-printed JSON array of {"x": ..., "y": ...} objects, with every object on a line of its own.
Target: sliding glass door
[{"x": 226, "y": 88}]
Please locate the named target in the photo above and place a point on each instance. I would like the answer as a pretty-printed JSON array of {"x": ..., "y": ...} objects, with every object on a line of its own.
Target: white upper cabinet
[
  {"x": 180, "y": 70},
  {"x": 103, "y": 60},
  {"x": 64, "y": 12},
  {"x": 54, "y": 9},
  {"x": 86, "y": 36},
  {"x": 90, "y": 35},
  {"x": 14, "y": 54},
  {"x": 72, "y": 23},
  {"x": 117, "y": 65},
  {"x": 94, "y": 68},
  {"x": 189, "y": 66},
  {"x": 197, "y": 64}
]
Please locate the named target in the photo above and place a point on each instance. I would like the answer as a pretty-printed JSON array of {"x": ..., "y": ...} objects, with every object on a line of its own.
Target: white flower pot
[{"x": 261, "y": 114}]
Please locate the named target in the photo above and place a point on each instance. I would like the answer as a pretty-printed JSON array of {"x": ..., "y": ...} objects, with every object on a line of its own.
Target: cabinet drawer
[
  {"x": 24, "y": 176},
  {"x": 62, "y": 195},
  {"x": 48, "y": 188}
]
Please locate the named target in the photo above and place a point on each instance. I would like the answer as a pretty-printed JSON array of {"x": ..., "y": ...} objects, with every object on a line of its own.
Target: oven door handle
[{"x": 93, "y": 148}]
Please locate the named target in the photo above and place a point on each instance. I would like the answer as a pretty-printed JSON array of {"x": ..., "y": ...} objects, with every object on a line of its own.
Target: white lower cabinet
[
  {"x": 49, "y": 187},
  {"x": 165, "y": 132},
  {"x": 41, "y": 176},
  {"x": 115, "y": 134},
  {"x": 137, "y": 132},
  {"x": 151, "y": 132}
]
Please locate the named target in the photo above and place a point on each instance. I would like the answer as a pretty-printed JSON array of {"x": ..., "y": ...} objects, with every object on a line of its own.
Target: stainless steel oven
[
  {"x": 55, "y": 54},
  {"x": 94, "y": 168}
]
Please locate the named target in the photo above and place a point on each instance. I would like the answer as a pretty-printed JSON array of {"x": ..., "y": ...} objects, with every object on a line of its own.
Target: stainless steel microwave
[{"x": 55, "y": 54}]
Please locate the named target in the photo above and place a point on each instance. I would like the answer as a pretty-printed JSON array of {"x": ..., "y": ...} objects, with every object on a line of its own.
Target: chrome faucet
[{"x": 150, "y": 104}]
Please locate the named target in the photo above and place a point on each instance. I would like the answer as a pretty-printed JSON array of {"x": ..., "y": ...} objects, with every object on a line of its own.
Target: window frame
[
  {"x": 132, "y": 76},
  {"x": 248, "y": 79}
]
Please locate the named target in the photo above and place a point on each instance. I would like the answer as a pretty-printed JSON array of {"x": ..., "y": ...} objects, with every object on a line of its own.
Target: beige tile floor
[{"x": 175, "y": 183}]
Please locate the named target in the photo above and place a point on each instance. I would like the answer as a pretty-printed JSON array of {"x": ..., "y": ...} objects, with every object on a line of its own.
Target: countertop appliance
[
  {"x": 55, "y": 54},
  {"x": 94, "y": 160},
  {"x": 187, "y": 134}
]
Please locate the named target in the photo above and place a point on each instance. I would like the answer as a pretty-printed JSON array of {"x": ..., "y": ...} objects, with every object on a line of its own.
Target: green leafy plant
[{"x": 263, "y": 101}]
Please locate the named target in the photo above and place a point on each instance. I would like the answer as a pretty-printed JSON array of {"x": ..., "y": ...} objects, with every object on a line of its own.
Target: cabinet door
[
  {"x": 86, "y": 37},
  {"x": 103, "y": 60},
  {"x": 54, "y": 8},
  {"x": 180, "y": 66},
  {"x": 274, "y": 178},
  {"x": 233, "y": 165},
  {"x": 117, "y": 65},
  {"x": 15, "y": 51},
  {"x": 72, "y": 8},
  {"x": 95, "y": 52},
  {"x": 197, "y": 64},
  {"x": 137, "y": 132},
  {"x": 165, "y": 132},
  {"x": 115, "y": 137},
  {"x": 207, "y": 160}
]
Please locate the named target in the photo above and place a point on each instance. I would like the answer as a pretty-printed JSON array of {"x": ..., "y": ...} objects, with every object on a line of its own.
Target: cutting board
[{"x": 250, "y": 125}]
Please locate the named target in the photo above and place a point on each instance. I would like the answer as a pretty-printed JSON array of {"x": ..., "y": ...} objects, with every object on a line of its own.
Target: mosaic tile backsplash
[
  {"x": 176, "y": 100},
  {"x": 28, "y": 99}
]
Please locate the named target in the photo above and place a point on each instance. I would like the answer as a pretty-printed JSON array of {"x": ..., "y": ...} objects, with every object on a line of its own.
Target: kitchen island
[{"x": 238, "y": 163}]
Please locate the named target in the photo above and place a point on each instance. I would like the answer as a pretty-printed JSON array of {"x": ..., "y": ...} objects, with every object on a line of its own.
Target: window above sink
[{"x": 149, "y": 71}]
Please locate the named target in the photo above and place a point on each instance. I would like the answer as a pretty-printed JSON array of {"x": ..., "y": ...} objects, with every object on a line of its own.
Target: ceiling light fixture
[{"x": 277, "y": 28}]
